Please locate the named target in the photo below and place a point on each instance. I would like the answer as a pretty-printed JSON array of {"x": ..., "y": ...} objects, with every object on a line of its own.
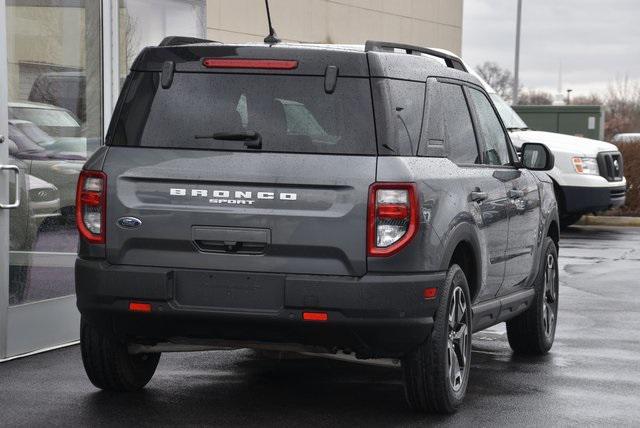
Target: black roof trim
[
  {"x": 182, "y": 40},
  {"x": 377, "y": 46}
]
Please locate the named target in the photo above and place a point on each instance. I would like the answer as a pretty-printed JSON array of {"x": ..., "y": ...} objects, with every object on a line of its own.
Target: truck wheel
[
  {"x": 437, "y": 372},
  {"x": 109, "y": 365},
  {"x": 533, "y": 332},
  {"x": 567, "y": 220}
]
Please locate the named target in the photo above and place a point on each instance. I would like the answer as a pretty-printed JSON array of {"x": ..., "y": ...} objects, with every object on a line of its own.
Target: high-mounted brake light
[
  {"x": 265, "y": 64},
  {"x": 392, "y": 218},
  {"x": 315, "y": 316},
  {"x": 139, "y": 307},
  {"x": 91, "y": 206}
]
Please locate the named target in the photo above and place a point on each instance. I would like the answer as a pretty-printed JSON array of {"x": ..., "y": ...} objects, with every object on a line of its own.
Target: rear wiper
[{"x": 251, "y": 139}]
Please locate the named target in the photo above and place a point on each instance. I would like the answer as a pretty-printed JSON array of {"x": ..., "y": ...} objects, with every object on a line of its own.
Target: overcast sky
[{"x": 594, "y": 40}]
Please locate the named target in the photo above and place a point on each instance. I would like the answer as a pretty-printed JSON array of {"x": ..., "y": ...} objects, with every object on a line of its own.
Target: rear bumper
[
  {"x": 593, "y": 199},
  {"x": 373, "y": 316}
]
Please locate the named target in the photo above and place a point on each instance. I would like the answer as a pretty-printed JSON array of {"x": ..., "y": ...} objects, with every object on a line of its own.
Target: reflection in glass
[
  {"x": 55, "y": 123},
  {"x": 146, "y": 22}
]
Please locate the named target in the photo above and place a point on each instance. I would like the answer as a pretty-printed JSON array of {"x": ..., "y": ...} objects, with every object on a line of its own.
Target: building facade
[
  {"x": 436, "y": 23},
  {"x": 62, "y": 64}
]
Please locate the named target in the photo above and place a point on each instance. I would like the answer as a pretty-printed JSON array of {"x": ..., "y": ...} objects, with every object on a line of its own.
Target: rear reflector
[
  {"x": 430, "y": 293},
  {"x": 139, "y": 307},
  {"x": 315, "y": 316},
  {"x": 265, "y": 64}
]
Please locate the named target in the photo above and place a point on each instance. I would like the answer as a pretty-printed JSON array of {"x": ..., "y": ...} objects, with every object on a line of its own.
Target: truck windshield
[
  {"x": 291, "y": 114},
  {"x": 510, "y": 118}
]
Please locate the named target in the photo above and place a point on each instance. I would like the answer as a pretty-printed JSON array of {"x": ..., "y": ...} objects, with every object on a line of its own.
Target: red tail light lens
[
  {"x": 265, "y": 64},
  {"x": 91, "y": 206},
  {"x": 393, "y": 217}
]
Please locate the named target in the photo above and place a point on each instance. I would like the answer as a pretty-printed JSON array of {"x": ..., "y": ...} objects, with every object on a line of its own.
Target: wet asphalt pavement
[{"x": 592, "y": 375}]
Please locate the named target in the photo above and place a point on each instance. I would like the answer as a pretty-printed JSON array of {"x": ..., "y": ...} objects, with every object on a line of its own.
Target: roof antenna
[{"x": 272, "y": 38}]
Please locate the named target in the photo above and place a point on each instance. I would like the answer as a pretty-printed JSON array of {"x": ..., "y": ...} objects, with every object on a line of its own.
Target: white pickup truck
[{"x": 588, "y": 175}]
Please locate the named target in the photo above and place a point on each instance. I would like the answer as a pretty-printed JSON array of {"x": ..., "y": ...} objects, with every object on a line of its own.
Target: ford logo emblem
[{"x": 129, "y": 222}]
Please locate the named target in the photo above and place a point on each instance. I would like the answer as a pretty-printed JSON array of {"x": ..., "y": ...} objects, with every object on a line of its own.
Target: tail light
[
  {"x": 91, "y": 206},
  {"x": 393, "y": 217}
]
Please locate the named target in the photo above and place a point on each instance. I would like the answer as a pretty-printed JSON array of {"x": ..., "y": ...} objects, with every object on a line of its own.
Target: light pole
[
  {"x": 569, "y": 96},
  {"x": 516, "y": 68}
]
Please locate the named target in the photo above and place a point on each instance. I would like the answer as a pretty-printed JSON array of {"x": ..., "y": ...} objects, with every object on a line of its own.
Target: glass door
[{"x": 54, "y": 122}]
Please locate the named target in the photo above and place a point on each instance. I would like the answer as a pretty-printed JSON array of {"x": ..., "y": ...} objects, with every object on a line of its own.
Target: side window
[
  {"x": 398, "y": 109},
  {"x": 497, "y": 149},
  {"x": 460, "y": 139}
]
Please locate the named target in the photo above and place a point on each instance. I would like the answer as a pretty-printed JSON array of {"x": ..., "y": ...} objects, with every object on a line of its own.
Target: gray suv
[{"x": 361, "y": 201}]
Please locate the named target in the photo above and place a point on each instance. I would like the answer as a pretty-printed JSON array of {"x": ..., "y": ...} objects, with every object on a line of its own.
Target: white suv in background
[{"x": 588, "y": 175}]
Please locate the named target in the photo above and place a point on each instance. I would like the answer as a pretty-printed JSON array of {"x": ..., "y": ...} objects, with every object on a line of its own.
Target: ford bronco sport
[{"x": 361, "y": 201}]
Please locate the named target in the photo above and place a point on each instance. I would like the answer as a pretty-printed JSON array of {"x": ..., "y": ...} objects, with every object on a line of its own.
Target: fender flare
[{"x": 464, "y": 232}]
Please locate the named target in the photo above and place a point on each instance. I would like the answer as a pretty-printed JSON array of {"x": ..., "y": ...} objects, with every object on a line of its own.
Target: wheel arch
[{"x": 463, "y": 248}]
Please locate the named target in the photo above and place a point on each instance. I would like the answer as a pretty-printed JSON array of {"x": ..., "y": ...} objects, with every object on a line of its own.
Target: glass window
[
  {"x": 459, "y": 137},
  {"x": 146, "y": 22},
  {"x": 495, "y": 139},
  {"x": 290, "y": 113},
  {"x": 55, "y": 121},
  {"x": 509, "y": 117},
  {"x": 399, "y": 107}
]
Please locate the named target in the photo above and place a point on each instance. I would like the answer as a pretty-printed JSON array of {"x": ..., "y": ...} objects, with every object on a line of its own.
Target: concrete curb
[{"x": 591, "y": 220}]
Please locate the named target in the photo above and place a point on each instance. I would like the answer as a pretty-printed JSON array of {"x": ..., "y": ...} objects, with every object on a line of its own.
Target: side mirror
[{"x": 537, "y": 157}]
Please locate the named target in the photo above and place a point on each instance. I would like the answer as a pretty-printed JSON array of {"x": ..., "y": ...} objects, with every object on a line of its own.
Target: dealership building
[{"x": 62, "y": 64}]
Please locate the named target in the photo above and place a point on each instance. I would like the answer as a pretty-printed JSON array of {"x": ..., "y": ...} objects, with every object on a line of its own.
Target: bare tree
[
  {"x": 622, "y": 107},
  {"x": 535, "y": 98},
  {"x": 498, "y": 78},
  {"x": 587, "y": 100}
]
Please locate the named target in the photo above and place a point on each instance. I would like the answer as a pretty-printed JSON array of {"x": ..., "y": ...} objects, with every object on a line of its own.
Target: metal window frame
[
  {"x": 37, "y": 311},
  {"x": 4, "y": 189}
]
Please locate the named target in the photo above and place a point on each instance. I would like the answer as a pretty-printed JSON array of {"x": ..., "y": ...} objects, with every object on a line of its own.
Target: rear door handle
[
  {"x": 16, "y": 202},
  {"x": 478, "y": 196},
  {"x": 516, "y": 194}
]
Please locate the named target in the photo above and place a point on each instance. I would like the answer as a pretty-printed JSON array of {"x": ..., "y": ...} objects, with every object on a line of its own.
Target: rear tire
[
  {"x": 436, "y": 373},
  {"x": 109, "y": 365},
  {"x": 533, "y": 332}
]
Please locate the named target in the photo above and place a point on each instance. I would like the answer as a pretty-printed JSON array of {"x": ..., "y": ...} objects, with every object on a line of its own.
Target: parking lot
[{"x": 592, "y": 375}]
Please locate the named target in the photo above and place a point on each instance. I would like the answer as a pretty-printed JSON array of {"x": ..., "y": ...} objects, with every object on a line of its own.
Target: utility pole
[{"x": 516, "y": 68}]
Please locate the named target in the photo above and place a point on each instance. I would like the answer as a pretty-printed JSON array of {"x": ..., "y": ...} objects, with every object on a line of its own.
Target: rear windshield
[{"x": 290, "y": 114}]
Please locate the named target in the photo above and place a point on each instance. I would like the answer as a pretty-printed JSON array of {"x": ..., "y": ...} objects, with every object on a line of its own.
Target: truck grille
[{"x": 611, "y": 166}]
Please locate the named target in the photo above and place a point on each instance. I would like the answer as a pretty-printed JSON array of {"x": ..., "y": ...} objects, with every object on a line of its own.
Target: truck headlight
[{"x": 586, "y": 166}]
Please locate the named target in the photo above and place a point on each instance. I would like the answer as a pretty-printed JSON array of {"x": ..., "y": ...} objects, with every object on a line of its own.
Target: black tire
[
  {"x": 533, "y": 331},
  {"x": 569, "y": 220},
  {"x": 429, "y": 385},
  {"x": 109, "y": 365}
]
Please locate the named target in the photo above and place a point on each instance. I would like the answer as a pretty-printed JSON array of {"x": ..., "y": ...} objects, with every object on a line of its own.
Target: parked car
[
  {"x": 58, "y": 168},
  {"x": 325, "y": 199},
  {"x": 51, "y": 119},
  {"x": 626, "y": 138},
  {"x": 588, "y": 176},
  {"x": 66, "y": 89},
  {"x": 60, "y": 145}
]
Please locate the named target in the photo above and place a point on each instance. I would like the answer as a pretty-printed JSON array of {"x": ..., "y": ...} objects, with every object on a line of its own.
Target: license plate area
[{"x": 229, "y": 290}]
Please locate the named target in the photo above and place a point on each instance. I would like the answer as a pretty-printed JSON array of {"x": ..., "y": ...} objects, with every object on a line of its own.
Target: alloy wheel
[
  {"x": 550, "y": 297},
  {"x": 459, "y": 340}
]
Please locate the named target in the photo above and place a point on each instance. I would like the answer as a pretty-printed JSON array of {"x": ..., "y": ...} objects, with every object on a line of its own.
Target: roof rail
[
  {"x": 450, "y": 60},
  {"x": 181, "y": 40}
]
